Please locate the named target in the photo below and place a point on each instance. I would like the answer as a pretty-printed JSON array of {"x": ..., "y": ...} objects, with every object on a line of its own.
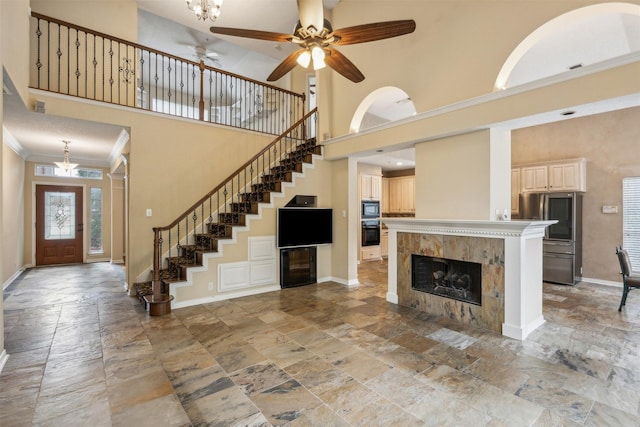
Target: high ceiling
[{"x": 169, "y": 26}]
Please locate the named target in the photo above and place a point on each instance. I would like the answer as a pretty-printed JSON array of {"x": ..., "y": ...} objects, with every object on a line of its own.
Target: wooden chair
[{"x": 630, "y": 278}]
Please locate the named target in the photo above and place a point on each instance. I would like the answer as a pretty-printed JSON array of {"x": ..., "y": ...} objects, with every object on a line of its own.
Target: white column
[{"x": 392, "y": 267}]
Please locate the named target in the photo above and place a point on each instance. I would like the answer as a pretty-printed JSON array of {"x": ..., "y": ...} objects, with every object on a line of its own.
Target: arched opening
[
  {"x": 380, "y": 106},
  {"x": 575, "y": 39}
]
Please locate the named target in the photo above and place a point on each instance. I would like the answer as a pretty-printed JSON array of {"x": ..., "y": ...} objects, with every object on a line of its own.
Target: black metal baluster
[
  {"x": 169, "y": 94},
  {"x": 38, "y": 61},
  {"x": 86, "y": 66},
  {"x": 59, "y": 54}
]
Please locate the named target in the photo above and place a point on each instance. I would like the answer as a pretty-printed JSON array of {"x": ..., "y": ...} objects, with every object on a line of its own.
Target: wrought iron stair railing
[
  {"x": 198, "y": 230},
  {"x": 77, "y": 61}
]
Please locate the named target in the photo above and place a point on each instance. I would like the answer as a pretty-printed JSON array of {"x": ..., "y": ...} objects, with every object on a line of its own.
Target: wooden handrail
[
  {"x": 152, "y": 50},
  {"x": 234, "y": 174}
]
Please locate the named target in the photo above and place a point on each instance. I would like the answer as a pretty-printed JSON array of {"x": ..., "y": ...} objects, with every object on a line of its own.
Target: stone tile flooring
[{"x": 83, "y": 353}]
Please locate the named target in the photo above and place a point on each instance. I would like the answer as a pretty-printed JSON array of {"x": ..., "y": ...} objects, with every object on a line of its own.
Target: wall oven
[
  {"x": 370, "y": 209},
  {"x": 370, "y": 232}
]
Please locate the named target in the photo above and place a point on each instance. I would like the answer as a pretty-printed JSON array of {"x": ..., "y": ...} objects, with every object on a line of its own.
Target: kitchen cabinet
[
  {"x": 384, "y": 202},
  {"x": 568, "y": 176},
  {"x": 402, "y": 197},
  {"x": 515, "y": 191},
  {"x": 370, "y": 187},
  {"x": 384, "y": 243},
  {"x": 561, "y": 175},
  {"x": 534, "y": 178},
  {"x": 369, "y": 253},
  {"x": 408, "y": 203}
]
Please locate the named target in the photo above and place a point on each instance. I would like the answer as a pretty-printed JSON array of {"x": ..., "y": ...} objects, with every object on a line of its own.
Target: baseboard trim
[
  {"x": 10, "y": 280},
  {"x": 222, "y": 297},
  {"x": 521, "y": 332},
  {"x": 4, "y": 356},
  {"x": 602, "y": 282}
]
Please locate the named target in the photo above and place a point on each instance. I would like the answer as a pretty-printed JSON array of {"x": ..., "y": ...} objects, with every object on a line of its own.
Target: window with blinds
[{"x": 631, "y": 219}]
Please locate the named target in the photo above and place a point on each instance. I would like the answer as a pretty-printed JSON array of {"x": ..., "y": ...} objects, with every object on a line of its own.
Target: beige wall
[
  {"x": 13, "y": 260},
  {"x": 452, "y": 177},
  {"x": 117, "y": 18},
  {"x": 346, "y": 223},
  {"x": 118, "y": 213},
  {"x": 455, "y": 53},
  {"x": 15, "y": 43},
  {"x": 609, "y": 142}
]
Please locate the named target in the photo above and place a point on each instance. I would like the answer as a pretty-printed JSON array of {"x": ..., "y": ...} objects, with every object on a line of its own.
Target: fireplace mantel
[
  {"x": 497, "y": 229},
  {"x": 522, "y": 299}
]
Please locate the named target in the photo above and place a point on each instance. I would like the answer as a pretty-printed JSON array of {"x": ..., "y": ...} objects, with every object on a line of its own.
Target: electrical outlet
[{"x": 210, "y": 286}]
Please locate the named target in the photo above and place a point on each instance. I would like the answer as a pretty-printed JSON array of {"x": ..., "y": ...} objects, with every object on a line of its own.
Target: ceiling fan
[
  {"x": 316, "y": 40},
  {"x": 199, "y": 48},
  {"x": 201, "y": 53}
]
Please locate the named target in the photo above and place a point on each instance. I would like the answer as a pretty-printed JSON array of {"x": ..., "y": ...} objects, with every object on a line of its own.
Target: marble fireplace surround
[{"x": 511, "y": 256}]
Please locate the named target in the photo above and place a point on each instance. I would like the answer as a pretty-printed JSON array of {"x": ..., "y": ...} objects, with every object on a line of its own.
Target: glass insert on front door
[{"x": 59, "y": 215}]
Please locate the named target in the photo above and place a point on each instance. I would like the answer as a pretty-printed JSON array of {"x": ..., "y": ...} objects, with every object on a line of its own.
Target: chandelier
[
  {"x": 65, "y": 164},
  {"x": 205, "y": 9}
]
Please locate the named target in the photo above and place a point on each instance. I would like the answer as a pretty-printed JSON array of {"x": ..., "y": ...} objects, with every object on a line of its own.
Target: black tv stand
[{"x": 297, "y": 266}]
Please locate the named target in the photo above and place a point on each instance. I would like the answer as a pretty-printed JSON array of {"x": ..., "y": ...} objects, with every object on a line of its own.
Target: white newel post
[{"x": 392, "y": 267}]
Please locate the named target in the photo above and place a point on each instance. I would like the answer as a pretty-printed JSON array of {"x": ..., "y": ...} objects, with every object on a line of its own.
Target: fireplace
[
  {"x": 510, "y": 255},
  {"x": 449, "y": 278}
]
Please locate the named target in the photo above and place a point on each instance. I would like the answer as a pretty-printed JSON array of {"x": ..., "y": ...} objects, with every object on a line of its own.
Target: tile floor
[{"x": 83, "y": 353}]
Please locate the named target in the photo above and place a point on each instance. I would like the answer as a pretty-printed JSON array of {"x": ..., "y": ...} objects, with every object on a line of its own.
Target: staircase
[
  {"x": 241, "y": 197},
  {"x": 192, "y": 255}
]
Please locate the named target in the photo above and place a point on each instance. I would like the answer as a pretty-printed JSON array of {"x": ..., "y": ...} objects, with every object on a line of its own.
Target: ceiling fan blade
[
  {"x": 374, "y": 31},
  {"x": 342, "y": 65},
  {"x": 284, "y": 67},
  {"x": 311, "y": 14},
  {"x": 252, "y": 34}
]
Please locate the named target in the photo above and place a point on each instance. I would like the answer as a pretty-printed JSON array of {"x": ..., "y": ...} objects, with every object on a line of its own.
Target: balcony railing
[{"x": 77, "y": 61}]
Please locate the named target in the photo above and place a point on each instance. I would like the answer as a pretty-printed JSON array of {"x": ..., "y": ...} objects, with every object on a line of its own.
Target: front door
[{"x": 59, "y": 227}]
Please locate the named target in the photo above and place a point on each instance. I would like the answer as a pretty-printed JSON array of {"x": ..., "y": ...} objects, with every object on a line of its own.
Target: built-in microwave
[{"x": 370, "y": 209}]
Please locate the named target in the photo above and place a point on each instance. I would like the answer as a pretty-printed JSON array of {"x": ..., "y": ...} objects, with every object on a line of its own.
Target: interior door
[{"x": 59, "y": 228}]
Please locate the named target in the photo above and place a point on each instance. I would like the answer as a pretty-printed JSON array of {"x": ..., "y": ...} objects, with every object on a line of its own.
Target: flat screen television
[{"x": 304, "y": 227}]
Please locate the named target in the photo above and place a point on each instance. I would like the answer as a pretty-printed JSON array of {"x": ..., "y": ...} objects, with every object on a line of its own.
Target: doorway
[{"x": 59, "y": 225}]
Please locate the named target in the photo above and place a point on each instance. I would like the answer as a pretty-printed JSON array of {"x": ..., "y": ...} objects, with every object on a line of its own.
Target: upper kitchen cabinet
[
  {"x": 370, "y": 187},
  {"x": 570, "y": 176},
  {"x": 384, "y": 203},
  {"x": 534, "y": 178},
  {"x": 561, "y": 175},
  {"x": 402, "y": 197}
]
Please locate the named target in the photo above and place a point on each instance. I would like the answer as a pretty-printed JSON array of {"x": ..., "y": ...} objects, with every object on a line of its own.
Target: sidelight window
[{"x": 95, "y": 220}]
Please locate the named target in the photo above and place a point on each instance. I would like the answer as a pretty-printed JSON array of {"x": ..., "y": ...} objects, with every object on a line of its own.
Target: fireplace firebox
[{"x": 459, "y": 280}]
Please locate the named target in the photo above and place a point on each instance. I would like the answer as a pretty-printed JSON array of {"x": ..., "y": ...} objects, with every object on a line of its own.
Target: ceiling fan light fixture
[
  {"x": 205, "y": 9},
  {"x": 318, "y": 55},
  {"x": 304, "y": 59},
  {"x": 65, "y": 164},
  {"x": 319, "y": 64}
]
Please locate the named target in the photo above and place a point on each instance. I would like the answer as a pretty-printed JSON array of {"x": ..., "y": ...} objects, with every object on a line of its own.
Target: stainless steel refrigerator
[{"x": 562, "y": 244}]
